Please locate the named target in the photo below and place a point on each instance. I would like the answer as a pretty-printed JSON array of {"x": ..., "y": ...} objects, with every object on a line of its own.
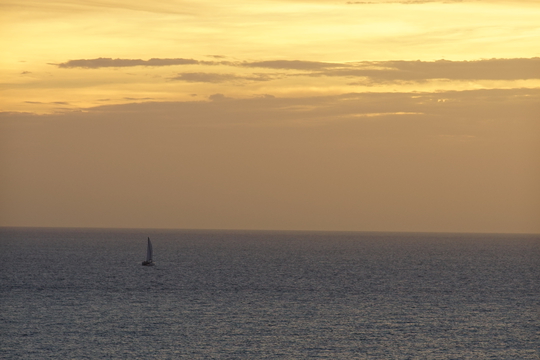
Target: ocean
[{"x": 83, "y": 294}]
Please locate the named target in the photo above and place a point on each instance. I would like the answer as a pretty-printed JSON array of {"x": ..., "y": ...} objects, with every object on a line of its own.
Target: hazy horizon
[
  {"x": 308, "y": 115},
  {"x": 198, "y": 230}
]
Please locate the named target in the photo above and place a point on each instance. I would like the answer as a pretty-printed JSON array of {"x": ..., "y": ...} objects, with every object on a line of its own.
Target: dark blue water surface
[{"x": 83, "y": 294}]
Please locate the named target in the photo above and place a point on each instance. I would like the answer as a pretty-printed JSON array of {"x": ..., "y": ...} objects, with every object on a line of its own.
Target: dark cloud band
[
  {"x": 491, "y": 69},
  {"x": 109, "y": 62},
  {"x": 367, "y": 71}
]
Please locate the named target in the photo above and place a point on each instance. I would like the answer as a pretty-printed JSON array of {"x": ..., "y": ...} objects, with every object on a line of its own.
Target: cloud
[
  {"x": 51, "y": 102},
  {"x": 369, "y": 72},
  {"x": 492, "y": 69},
  {"x": 109, "y": 62},
  {"x": 217, "y": 97},
  {"x": 270, "y": 64},
  {"x": 473, "y": 105},
  {"x": 387, "y": 71},
  {"x": 292, "y": 64},
  {"x": 219, "y": 78},
  {"x": 205, "y": 77}
]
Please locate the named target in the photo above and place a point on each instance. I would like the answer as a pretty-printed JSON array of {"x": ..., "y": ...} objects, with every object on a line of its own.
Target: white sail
[
  {"x": 149, "y": 252},
  {"x": 148, "y": 261}
]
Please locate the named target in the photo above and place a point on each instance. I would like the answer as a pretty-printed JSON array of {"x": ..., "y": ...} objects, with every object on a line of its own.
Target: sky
[{"x": 381, "y": 115}]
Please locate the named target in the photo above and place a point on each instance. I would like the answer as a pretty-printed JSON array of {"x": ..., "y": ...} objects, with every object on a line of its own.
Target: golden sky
[{"x": 415, "y": 115}]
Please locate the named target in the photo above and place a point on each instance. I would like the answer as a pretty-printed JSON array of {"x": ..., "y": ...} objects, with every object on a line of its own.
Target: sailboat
[{"x": 148, "y": 261}]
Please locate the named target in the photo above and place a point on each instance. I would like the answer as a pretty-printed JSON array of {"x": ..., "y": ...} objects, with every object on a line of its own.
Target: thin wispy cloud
[
  {"x": 109, "y": 62},
  {"x": 103, "y": 62},
  {"x": 51, "y": 102},
  {"x": 203, "y": 77},
  {"x": 293, "y": 65},
  {"x": 441, "y": 109}
]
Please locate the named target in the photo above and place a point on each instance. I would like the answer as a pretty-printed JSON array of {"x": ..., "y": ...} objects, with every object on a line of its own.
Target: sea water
[{"x": 83, "y": 294}]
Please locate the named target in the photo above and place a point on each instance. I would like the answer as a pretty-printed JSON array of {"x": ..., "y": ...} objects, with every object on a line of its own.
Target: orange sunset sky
[{"x": 371, "y": 115}]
